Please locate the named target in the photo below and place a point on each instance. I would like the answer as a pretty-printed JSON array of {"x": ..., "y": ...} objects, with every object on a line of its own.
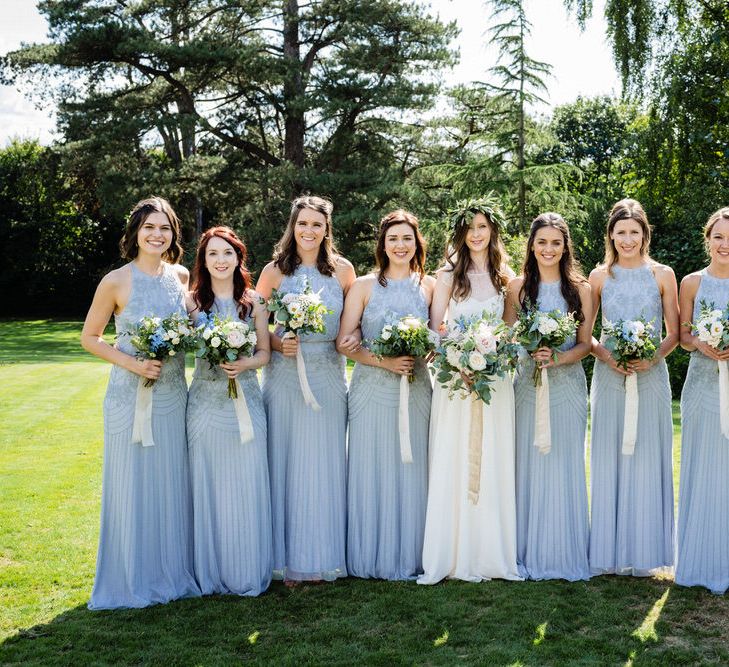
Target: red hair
[{"x": 202, "y": 288}]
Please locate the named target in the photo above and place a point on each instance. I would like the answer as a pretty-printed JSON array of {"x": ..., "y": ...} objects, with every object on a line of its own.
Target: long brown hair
[
  {"x": 625, "y": 209},
  {"x": 417, "y": 261},
  {"x": 571, "y": 277},
  {"x": 458, "y": 258},
  {"x": 285, "y": 256},
  {"x": 202, "y": 289},
  {"x": 141, "y": 211}
]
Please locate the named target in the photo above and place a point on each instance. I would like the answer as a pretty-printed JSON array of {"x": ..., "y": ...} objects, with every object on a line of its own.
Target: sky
[{"x": 582, "y": 62}]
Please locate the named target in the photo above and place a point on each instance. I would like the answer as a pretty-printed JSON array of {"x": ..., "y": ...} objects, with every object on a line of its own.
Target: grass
[{"x": 50, "y": 444}]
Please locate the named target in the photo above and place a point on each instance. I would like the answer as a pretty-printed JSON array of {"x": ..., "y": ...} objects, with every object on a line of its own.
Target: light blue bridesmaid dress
[
  {"x": 551, "y": 492},
  {"x": 632, "y": 496},
  {"x": 307, "y": 448},
  {"x": 145, "y": 541},
  {"x": 386, "y": 497},
  {"x": 230, "y": 488},
  {"x": 703, "y": 504}
]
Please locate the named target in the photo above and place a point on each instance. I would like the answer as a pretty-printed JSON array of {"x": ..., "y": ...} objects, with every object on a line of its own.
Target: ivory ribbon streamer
[
  {"x": 630, "y": 424},
  {"x": 475, "y": 447},
  {"x": 303, "y": 381},
  {"x": 724, "y": 397},
  {"x": 542, "y": 420},
  {"x": 245, "y": 425},
  {"x": 142, "y": 428},
  {"x": 403, "y": 420}
]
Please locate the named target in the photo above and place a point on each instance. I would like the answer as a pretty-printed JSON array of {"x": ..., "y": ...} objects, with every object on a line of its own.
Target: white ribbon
[
  {"x": 403, "y": 420},
  {"x": 475, "y": 447},
  {"x": 630, "y": 423},
  {"x": 303, "y": 381},
  {"x": 142, "y": 428},
  {"x": 542, "y": 420},
  {"x": 724, "y": 397},
  {"x": 245, "y": 425}
]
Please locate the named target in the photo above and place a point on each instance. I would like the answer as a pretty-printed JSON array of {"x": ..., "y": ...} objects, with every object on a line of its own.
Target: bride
[{"x": 471, "y": 536}]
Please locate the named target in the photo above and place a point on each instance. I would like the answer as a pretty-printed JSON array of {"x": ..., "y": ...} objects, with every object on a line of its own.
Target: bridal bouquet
[
  {"x": 157, "y": 338},
  {"x": 408, "y": 336},
  {"x": 712, "y": 326},
  {"x": 535, "y": 328},
  {"x": 219, "y": 340},
  {"x": 629, "y": 340},
  {"x": 480, "y": 348},
  {"x": 297, "y": 314}
]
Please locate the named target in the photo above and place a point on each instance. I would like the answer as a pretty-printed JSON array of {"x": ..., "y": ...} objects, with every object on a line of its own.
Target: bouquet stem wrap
[
  {"x": 630, "y": 423},
  {"x": 245, "y": 425},
  {"x": 542, "y": 420},
  {"x": 724, "y": 397},
  {"x": 303, "y": 380},
  {"x": 403, "y": 420},
  {"x": 475, "y": 447},
  {"x": 142, "y": 428}
]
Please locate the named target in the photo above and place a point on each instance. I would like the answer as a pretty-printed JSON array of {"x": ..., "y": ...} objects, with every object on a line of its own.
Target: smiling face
[
  {"x": 309, "y": 230},
  {"x": 400, "y": 244},
  {"x": 478, "y": 234},
  {"x": 154, "y": 236},
  {"x": 627, "y": 236},
  {"x": 718, "y": 243},
  {"x": 221, "y": 260},
  {"x": 548, "y": 247}
]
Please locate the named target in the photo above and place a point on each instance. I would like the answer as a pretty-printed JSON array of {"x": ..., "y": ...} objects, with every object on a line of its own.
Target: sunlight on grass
[
  {"x": 442, "y": 640},
  {"x": 541, "y": 633},
  {"x": 647, "y": 629},
  {"x": 631, "y": 658},
  {"x": 253, "y": 637}
]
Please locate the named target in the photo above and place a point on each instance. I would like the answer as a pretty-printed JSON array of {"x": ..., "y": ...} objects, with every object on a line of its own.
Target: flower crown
[{"x": 465, "y": 209}]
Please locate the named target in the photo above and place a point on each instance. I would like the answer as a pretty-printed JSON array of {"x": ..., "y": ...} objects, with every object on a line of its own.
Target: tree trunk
[{"x": 294, "y": 103}]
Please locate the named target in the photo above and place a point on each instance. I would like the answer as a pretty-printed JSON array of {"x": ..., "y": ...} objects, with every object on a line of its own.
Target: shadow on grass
[
  {"x": 43, "y": 341},
  {"x": 606, "y": 621}
]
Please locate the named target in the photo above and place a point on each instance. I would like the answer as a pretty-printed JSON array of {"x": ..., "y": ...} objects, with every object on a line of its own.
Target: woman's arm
[
  {"x": 440, "y": 299},
  {"x": 269, "y": 280},
  {"x": 511, "y": 303},
  {"x": 262, "y": 354}
]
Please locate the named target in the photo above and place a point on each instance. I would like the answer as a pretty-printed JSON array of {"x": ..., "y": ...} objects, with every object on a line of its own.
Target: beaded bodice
[
  {"x": 630, "y": 294},
  {"x": 388, "y": 304},
  {"x": 550, "y": 298}
]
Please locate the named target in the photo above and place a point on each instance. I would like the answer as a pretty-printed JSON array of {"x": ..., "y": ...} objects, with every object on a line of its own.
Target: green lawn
[{"x": 50, "y": 472}]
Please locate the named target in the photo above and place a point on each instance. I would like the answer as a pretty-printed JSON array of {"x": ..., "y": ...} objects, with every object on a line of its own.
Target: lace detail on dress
[{"x": 484, "y": 297}]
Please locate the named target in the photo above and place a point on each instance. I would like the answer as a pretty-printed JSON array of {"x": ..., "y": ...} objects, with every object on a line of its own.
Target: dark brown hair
[
  {"x": 202, "y": 289},
  {"x": 569, "y": 270},
  {"x": 141, "y": 211},
  {"x": 417, "y": 262},
  {"x": 625, "y": 209},
  {"x": 285, "y": 256},
  {"x": 458, "y": 259}
]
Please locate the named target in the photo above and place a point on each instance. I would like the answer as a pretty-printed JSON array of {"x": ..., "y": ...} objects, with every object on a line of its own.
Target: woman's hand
[
  {"x": 642, "y": 365},
  {"x": 711, "y": 352},
  {"x": 544, "y": 357},
  {"x": 147, "y": 368},
  {"x": 289, "y": 345},
  {"x": 350, "y": 344},
  {"x": 399, "y": 365},
  {"x": 609, "y": 361},
  {"x": 234, "y": 368}
]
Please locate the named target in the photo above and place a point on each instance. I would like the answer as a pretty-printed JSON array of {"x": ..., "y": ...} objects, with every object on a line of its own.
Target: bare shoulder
[
  {"x": 690, "y": 283},
  {"x": 598, "y": 275},
  {"x": 183, "y": 275},
  {"x": 341, "y": 263},
  {"x": 429, "y": 282},
  {"x": 117, "y": 277},
  {"x": 515, "y": 284},
  {"x": 663, "y": 272},
  {"x": 444, "y": 275},
  {"x": 363, "y": 284},
  {"x": 585, "y": 289},
  {"x": 271, "y": 272},
  {"x": 509, "y": 271}
]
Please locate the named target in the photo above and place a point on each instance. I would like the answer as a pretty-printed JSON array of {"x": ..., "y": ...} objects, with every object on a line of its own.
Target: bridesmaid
[
  {"x": 703, "y": 507},
  {"x": 551, "y": 494},
  {"x": 145, "y": 541},
  {"x": 470, "y": 524},
  {"x": 632, "y": 495},
  {"x": 306, "y": 448},
  {"x": 386, "y": 497},
  {"x": 230, "y": 490}
]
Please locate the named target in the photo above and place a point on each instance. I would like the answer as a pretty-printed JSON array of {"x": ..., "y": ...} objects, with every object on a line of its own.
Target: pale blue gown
[
  {"x": 230, "y": 488},
  {"x": 632, "y": 496},
  {"x": 386, "y": 497},
  {"x": 703, "y": 505},
  {"x": 551, "y": 492},
  {"x": 307, "y": 448},
  {"x": 145, "y": 541}
]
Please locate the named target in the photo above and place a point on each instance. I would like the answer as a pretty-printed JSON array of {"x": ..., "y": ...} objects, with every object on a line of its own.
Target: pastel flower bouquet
[
  {"x": 219, "y": 340},
  {"x": 161, "y": 338}
]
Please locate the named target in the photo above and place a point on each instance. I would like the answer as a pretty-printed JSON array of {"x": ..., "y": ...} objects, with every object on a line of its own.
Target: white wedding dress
[{"x": 463, "y": 540}]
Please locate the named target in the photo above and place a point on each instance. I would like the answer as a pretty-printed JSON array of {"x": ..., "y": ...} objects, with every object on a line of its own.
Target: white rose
[
  {"x": 215, "y": 341},
  {"x": 715, "y": 314},
  {"x": 207, "y": 333},
  {"x": 386, "y": 335},
  {"x": 175, "y": 341},
  {"x": 486, "y": 344},
  {"x": 453, "y": 357},
  {"x": 236, "y": 338},
  {"x": 476, "y": 361},
  {"x": 289, "y": 298},
  {"x": 172, "y": 353},
  {"x": 546, "y": 325}
]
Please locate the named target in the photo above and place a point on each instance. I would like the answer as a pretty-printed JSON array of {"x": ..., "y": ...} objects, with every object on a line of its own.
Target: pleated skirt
[
  {"x": 386, "y": 497},
  {"x": 306, "y": 458},
  {"x": 551, "y": 492}
]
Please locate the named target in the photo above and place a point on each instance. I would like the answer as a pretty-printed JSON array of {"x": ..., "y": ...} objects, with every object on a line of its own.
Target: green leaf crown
[{"x": 465, "y": 209}]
